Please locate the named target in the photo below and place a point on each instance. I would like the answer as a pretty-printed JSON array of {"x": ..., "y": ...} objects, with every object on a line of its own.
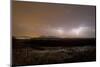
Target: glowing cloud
[
  {"x": 60, "y": 31},
  {"x": 79, "y": 30}
]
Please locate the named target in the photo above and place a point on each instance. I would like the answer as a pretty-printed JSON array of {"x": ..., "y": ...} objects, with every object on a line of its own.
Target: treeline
[{"x": 35, "y": 42}]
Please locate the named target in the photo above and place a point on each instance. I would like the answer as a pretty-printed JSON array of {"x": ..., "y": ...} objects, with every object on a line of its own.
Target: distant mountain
[
  {"x": 22, "y": 37},
  {"x": 48, "y": 37},
  {"x": 40, "y": 37}
]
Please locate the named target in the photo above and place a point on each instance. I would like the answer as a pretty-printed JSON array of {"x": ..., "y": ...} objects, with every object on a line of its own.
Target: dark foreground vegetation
[{"x": 38, "y": 51}]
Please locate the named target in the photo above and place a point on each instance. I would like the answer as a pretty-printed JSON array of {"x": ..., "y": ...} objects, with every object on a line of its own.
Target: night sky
[{"x": 37, "y": 19}]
